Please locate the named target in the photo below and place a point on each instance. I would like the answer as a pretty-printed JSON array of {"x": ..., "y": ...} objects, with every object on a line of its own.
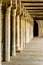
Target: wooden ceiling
[{"x": 34, "y": 8}]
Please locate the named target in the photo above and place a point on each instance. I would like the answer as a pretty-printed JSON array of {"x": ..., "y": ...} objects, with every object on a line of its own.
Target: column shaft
[
  {"x": 40, "y": 32},
  {"x": 18, "y": 33},
  {"x": 27, "y": 32},
  {"x": 31, "y": 27},
  {"x": 7, "y": 34},
  {"x": 22, "y": 34},
  {"x": 30, "y": 30},
  {"x": 14, "y": 32},
  {"x": 0, "y": 35},
  {"x": 24, "y": 31}
]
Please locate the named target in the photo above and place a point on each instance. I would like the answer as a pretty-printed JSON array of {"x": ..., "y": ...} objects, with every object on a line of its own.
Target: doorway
[{"x": 35, "y": 29}]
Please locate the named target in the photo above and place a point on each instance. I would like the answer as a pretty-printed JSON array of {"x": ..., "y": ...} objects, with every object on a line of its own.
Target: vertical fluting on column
[
  {"x": 14, "y": 32},
  {"x": 0, "y": 34},
  {"x": 7, "y": 34},
  {"x": 18, "y": 34}
]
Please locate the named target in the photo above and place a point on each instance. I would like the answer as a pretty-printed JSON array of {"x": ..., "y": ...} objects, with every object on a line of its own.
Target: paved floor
[{"x": 31, "y": 55}]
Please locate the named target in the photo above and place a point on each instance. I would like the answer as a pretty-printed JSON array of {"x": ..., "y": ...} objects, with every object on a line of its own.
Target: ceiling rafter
[
  {"x": 34, "y": 8},
  {"x": 32, "y": 1},
  {"x": 33, "y": 5}
]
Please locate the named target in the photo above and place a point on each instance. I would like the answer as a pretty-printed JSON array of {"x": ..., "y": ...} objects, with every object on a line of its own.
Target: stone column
[
  {"x": 0, "y": 35},
  {"x": 18, "y": 33},
  {"x": 24, "y": 32},
  {"x": 31, "y": 30},
  {"x": 21, "y": 34},
  {"x": 27, "y": 32},
  {"x": 7, "y": 34},
  {"x": 14, "y": 32},
  {"x": 40, "y": 32}
]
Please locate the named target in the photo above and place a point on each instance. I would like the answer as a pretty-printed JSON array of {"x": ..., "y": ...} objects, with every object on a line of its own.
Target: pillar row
[
  {"x": 14, "y": 32},
  {"x": 7, "y": 34},
  {"x": 18, "y": 33},
  {"x": 0, "y": 35}
]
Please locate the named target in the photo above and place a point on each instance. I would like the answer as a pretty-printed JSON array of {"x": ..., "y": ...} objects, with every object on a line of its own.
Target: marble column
[
  {"x": 24, "y": 32},
  {"x": 0, "y": 35},
  {"x": 27, "y": 32},
  {"x": 40, "y": 32},
  {"x": 31, "y": 30},
  {"x": 18, "y": 33},
  {"x": 21, "y": 34},
  {"x": 7, "y": 34},
  {"x": 14, "y": 32}
]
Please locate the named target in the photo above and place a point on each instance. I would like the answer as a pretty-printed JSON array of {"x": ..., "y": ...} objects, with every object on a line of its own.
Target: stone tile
[{"x": 31, "y": 55}]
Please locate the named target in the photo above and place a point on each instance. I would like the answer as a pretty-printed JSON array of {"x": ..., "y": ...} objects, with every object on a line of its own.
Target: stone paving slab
[{"x": 31, "y": 55}]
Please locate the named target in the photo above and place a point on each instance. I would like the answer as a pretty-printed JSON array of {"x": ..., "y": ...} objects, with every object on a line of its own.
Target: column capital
[
  {"x": 8, "y": 9},
  {"x": 13, "y": 12}
]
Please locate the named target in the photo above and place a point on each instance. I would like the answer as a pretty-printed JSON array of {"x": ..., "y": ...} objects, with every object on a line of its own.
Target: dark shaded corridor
[{"x": 35, "y": 27}]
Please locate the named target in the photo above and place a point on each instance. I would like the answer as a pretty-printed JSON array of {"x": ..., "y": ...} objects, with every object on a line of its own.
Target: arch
[{"x": 39, "y": 23}]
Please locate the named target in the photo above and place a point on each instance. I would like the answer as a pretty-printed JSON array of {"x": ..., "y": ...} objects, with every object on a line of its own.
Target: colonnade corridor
[
  {"x": 31, "y": 55},
  {"x": 21, "y": 32}
]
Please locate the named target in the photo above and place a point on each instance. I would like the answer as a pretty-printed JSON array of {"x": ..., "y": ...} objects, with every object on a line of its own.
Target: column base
[
  {"x": 0, "y": 63},
  {"x": 18, "y": 50}
]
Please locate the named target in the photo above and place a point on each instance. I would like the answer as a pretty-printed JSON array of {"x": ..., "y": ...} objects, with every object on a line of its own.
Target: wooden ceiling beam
[
  {"x": 38, "y": 18},
  {"x": 36, "y": 14},
  {"x": 32, "y": 1},
  {"x": 33, "y": 5},
  {"x": 34, "y": 9}
]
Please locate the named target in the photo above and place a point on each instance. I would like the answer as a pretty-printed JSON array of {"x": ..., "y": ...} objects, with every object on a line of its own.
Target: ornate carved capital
[
  {"x": 8, "y": 9},
  {"x": 13, "y": 12}
]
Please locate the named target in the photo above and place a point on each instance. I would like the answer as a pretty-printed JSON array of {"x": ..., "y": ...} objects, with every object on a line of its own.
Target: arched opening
[{"x": 35, "y": 29}]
